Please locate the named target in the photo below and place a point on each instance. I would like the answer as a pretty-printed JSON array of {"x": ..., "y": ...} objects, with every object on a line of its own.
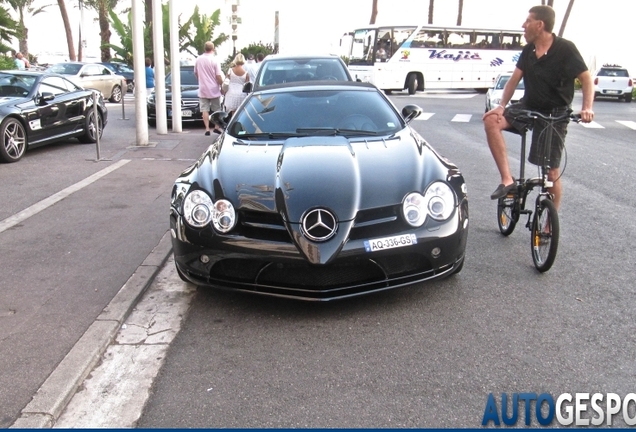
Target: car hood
[
  {"x": 331, "y": 173},
  {"x": 189, "y": 91}
]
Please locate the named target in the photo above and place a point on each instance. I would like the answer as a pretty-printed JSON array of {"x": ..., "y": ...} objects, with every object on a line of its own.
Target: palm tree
[
  {"x": 565, "y": 18},
  {"x": 103, "y": 7},
  {"x": 8, "y": 29},
  {"x": 22, "y": 7},
  {"x": 430, "y": 11},
  {"x": 67, "y": 28},
  {"x": 203, "y": 29},
  {"x": 374, "y": 11},
  {"x": 459, "y": 12}
]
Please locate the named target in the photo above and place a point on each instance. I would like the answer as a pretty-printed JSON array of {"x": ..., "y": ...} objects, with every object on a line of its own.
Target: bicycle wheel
[
  {"x": 545, "y": 235},
  {"x": 506, "y": 215}
]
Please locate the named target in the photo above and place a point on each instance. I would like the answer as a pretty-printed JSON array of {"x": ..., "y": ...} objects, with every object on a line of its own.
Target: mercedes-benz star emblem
[{"x": 319, "y": 225}]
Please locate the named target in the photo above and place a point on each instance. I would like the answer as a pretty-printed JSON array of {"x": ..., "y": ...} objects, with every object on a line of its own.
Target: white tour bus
[{"x": 430, "y": 57}]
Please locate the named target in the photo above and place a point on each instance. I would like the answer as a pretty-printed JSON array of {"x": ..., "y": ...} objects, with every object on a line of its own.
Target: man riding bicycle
[{"x": 548, "y": 65}]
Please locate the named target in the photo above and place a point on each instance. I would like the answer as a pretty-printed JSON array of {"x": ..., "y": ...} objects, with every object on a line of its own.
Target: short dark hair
[
  {"x": 545, "y": 14},
  {"x": 259, "y": 57}
]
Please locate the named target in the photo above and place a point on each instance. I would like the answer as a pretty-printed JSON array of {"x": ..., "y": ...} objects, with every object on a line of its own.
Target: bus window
[
  {"x": 458, "y": 40},
  {"x": 428, "y": 38},
  {"x": 400, "y": 34},
  {"x": 511, "y": 41},
  {"x": 485, "y": 40}
]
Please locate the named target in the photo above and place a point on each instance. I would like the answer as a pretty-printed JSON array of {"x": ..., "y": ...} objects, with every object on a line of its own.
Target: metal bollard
[
  {"x": 96, "y": 117},
  {"x": 124, "y": 86}
]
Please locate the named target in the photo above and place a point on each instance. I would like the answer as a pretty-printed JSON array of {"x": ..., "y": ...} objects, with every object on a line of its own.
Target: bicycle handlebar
[{"x": 549, "y": 117}]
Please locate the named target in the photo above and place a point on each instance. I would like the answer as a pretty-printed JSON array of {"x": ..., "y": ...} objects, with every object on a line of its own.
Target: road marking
[
  {"x": 629, "y": 124},
  {"x": 463, "y": 118},
  {"x": 36, "y": 208},
  {"x": 425, "y": 116},
  {"x": 592, "y": 125}
]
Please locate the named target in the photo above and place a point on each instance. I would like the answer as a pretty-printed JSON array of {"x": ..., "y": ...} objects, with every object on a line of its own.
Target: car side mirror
[
  {"x": 45, "y": 97},
  {"x": 247, "y": 87},
  {"x": 411, "y": 112}
]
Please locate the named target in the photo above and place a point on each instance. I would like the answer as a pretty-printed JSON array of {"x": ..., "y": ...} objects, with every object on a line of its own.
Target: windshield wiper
[
  {"x": 270, "y": 135},
  {"x": 332, "y": 131}
]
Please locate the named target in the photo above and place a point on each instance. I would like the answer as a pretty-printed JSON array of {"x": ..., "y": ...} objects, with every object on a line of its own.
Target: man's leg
[
  {"x": 556, "y": 189},
  {"x": 494, "y": 124},
  {"x": 206, "y": 120}
]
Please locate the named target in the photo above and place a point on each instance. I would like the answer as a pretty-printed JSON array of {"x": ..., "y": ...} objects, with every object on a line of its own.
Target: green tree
[
  {"x": 24, "y": 7},
  {"x": 8, "y": 29},
  {"x": 103, "y": 7},
  {"x": 124, "y": 51},
  {"x": 203, "y": 28}
]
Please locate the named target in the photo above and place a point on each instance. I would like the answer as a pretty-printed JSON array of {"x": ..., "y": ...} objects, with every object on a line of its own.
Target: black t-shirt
[{"x": 549, "y": 81}]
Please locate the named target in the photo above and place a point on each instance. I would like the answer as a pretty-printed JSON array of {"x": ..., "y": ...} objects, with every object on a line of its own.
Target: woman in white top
[{"x": 238, "y": 77}]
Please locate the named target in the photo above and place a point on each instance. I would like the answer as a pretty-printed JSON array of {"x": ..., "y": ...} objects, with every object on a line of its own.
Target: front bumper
[{"x": 273, "y": 265}]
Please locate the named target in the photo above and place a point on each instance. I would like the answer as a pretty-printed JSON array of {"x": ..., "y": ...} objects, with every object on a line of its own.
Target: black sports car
[
  {"x": 318, "y": 192},
  {"x": 37, "y": 108}
]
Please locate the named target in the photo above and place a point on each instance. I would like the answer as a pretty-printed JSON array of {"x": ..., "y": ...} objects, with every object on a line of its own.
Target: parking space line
[
  {"x": 592, "y": 125},
  {"x": 463, "y": 118},
  {"x": 11, "y": 221},
  {"x": 425, "y": 116}
]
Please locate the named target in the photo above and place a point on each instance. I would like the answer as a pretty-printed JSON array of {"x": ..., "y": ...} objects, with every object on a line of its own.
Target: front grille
[
  {"x": 185, "y": 103},
  {"x": 340, "y": 279}
]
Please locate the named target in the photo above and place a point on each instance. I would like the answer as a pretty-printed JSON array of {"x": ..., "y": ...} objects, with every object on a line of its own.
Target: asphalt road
[{"x": 421, "y": 356}]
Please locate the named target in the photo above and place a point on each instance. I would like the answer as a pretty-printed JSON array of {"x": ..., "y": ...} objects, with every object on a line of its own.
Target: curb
[{"x": 49, "y": 401}]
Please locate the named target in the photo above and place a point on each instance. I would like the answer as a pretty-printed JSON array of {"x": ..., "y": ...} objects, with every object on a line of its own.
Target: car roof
[
  {"x": 317, "y": 85},
  {"x": 299, "y": 57}
]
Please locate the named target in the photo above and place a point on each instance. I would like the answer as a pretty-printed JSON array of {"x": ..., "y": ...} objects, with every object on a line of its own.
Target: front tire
[
  {"x": 628, "y": 98},
  {"x": 14, "y": 140},
  {"x": 116, "y": 95},
  {"x": 507, "y": 216},
  {"x": 544, "y": 235},
  {"x": 412, "y": 84}
]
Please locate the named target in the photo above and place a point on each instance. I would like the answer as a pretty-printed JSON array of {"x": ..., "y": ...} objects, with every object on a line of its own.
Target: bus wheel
[
  {"x": 412, "y": 84},
  {"x": 388, "y": 92}
]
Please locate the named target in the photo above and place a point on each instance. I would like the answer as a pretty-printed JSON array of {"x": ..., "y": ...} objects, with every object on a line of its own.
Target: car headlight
[
  {"x": 151, "y": 99},
  {"x": 496, "y": 101},
  {"x": 199, "y": 211},
  {"x": 437, "y": 202}
]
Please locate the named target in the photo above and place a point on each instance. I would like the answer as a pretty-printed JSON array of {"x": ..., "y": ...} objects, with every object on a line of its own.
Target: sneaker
[
  {"x": 503, "y": 190},
  {"x": 207, "y": 133}
]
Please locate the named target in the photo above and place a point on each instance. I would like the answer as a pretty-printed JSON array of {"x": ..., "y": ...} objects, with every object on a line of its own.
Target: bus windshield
[{"x": 377, "y": 45}]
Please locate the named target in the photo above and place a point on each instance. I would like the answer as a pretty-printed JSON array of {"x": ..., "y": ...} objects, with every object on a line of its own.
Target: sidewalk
[{"x": 118, "y": 217}]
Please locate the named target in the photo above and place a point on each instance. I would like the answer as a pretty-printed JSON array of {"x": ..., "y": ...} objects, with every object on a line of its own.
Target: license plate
[
  {"x": 184, "y": 113},
  {"x": 385, "y": 243},
  {"x": 611, "y": 91}
]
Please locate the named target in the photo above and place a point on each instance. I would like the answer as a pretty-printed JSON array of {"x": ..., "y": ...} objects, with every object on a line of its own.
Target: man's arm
[{"x": 587, "y": 86}]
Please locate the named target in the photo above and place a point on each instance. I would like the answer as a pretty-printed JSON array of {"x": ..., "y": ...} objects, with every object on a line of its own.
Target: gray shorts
[
  {"x": 539, "y": 129},
  {"x": 210, "y": 104}
]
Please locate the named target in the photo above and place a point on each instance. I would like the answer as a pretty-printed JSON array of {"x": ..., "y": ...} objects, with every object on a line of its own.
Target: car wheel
[
  {"x": 90, "y": 134},
  {"x": 412, "y": 84},
  {"x": 14, "y": 140},
  {"x": 116, "y": 96},
  {"x": 152, "y": 122},
  {"x": 628, "y": 98}
]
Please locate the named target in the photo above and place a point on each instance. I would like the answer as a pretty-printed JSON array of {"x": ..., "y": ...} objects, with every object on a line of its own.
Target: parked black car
[
  {"x": 190, "y": 111},
  {"x": 318, "y": 192},
  {"x": 123, "y": 70},
  {"x": 37, "y": 108}
]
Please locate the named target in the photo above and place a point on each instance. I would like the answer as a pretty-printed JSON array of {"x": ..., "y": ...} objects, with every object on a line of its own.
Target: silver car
[
  {"x": 494, "y": 93},
  {"x": 93, "y": 76}
]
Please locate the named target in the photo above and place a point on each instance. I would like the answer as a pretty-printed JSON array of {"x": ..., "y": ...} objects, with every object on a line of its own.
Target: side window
[
  {"x": 106, "y": 71},
  {"x": 92, "y": 70},
  {"x": 55, "y": 85}
]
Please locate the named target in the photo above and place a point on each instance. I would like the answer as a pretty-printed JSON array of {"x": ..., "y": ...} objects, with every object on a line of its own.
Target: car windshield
[
  {"x": 66, "y": 68},
  {"x": 504, "y": 79},
  {"x": 305, "y": 112},
  {"x": 288, "y": 70},
  {"x": 187, "y": 78},
  {"x": 15, "y": 84},
  {"x": 613, "y": 73}
]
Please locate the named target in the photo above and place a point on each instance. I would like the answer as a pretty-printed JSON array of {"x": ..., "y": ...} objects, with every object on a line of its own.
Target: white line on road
[
  {"x": 36, "y": 208},
  {"x": 629, "y": 124},
  {"x": 592, "y": 125},
  {"x": 425, "y": 116},
  {"x": 463, "y": 118}
]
